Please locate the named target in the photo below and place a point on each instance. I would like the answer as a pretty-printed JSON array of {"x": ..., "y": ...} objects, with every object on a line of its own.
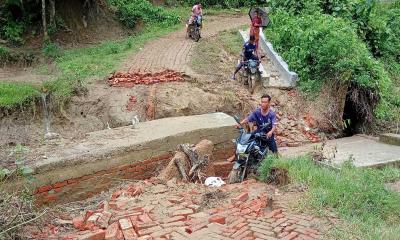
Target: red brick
[
  {"x": 43, "y": 189},
  {"x": 239, "y": 232},
  {"x": 60, "y": 184},
  {"x": 274, "y": 213},
  {"x": 291, "y": 236},
  {"x": 145, "y": 218},
  {"x": 79, "y": 223},
  {"x": 149, "y": 231},
  {"x": 176, "y": 200},
  {"x": 103, "y": 219},
  {"x": 113, "y": 232},
  {"x": 240, "y": 225},
  {"x": 279, "y": 216},
  {"x": 140, "y": 226},
  {"x": 125, "y": 223},
  {"x": 241, "y": 198},
  {"x": 96, "y": 235},
  {"x": 217, "y": 219},
  {"x": 183, "y": 212},
  {"x": 129, "y": 234},
  {"x": 174, "y": 219}
]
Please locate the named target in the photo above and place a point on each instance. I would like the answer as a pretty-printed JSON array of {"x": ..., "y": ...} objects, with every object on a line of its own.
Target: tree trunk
[
  {"x": 52, "y": 12},
  {"x": 45, "y": 35}
]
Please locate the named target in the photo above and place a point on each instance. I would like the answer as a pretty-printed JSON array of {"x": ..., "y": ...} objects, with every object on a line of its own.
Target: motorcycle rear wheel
[{"x": 234, "y": 176}]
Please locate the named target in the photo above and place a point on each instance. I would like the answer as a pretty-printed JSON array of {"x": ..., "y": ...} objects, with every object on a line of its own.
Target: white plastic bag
[{"x": 214, "y": 182}]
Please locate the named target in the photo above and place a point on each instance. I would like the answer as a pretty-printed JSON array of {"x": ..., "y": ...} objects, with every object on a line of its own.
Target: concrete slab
[
  {"x": 390, "y": 138},
  {"x": 366, "y": 151},
  {"x": 107, "y": 149}
]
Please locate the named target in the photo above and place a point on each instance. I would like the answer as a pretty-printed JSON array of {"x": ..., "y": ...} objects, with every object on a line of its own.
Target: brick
[
  {"x": 149, "y": 231},
  {"x": 217, "y": 219},
  {"x": 129, "y": 234},
  {"x": 199, "y": 226},
  {"x": 79, "y": 222},
  {"x": 60, "y": 184},
  {"x": 289, "y": 228},
  {"x": 279, "y": 222},
  {"x": 96, "y": 235},
  {"x": 305, "y": 237},
  {"x": 103, "y": 219},
  {"x": 145, "y": 218},
  {"x": 242, "y": 230},
  {"x": 240, "y": 225},
  {"x": 274, "y": 213},
  {"x": 113, "y": 232},
  {"x": 93, "y": 218},
  {"x": 264, "y": 237},
  {"x": 176, "y": 200},
  {"x": 243, "y": 235},
  {"x": 148, "y": 208},
  {"x": 241, "y": 198},
  {"x": 125, "y": 223},
  {"x": 146, "y": 237},
  {"x": 166, "y": 203},
  {"x": 174, "y": 219},
  {"x": 262, "y": 226},
  {"x": 174, "y": 224},
  {"x": 43, "y": 189},
  {"x": 183, "y": 212},
  {"x": 177, "y": 236},
  {"x": 279, "y": 216},
  {"x": 290, "y": 236},
  {"x": 237, "y": 222},
  {"x": 283, "y": 234},
  {"x": 263, "y": 231},
  {"x": 141, "y": 226},
  {"x": 278, "y": 230}
]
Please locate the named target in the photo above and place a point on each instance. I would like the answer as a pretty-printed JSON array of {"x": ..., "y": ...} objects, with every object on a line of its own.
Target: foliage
[
  {"x": 16, "y": 94},
  {"x": 16, "y": 204},
  {"x": 12, "y": 31},
  {"x": 313, "y": 46},
  {"x": 133, "y": 12},
  {"x": 357, "y": 195},
  {"x": 51, "y": 49}
]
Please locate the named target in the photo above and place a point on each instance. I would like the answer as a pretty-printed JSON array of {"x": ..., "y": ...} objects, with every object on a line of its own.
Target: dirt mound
[{"x": 129, "y": 80}]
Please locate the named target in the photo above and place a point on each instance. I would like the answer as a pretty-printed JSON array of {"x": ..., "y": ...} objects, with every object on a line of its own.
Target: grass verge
[
  {"x": 367, "y": 209},
  {"x": 16, "y": 94}
]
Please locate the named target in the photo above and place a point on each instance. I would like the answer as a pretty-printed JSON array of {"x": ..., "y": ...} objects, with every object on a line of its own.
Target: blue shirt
[
  {"x": 249, "y": 50},
  {"x": 261, "y": 119}
]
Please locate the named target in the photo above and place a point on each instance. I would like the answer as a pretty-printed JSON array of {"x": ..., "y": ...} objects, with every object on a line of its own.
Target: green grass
[
  {"x": 16, "y": 94},
  {"x": 358, "y": 196}
]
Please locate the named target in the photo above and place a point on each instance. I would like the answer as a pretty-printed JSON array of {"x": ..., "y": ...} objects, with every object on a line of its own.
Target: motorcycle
[
  {"x": 251, "y": 73},
  {"x": 194, "y": 29},
  {"x": 251, "y": 149}
]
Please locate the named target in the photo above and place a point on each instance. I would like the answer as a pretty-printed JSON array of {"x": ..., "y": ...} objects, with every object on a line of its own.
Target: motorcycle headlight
[
  {"x": 253, "y": 70},
  {"x": 241, "y": 148}
]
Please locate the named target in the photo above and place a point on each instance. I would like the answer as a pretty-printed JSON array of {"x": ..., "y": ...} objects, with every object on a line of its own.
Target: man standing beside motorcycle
[
  {"x": 248, "y": 52},
  {"x": 261, "y": 116}
]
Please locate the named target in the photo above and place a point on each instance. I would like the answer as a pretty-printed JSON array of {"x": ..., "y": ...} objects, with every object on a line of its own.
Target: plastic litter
[{"x": 214, "y": 182}]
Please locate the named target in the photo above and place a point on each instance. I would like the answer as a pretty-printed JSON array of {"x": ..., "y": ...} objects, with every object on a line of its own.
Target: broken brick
[{"x": 217, "y": 219}]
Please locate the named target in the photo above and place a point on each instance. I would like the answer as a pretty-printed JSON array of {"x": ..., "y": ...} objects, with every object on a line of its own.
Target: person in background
[{"x": 256, "y": 23}]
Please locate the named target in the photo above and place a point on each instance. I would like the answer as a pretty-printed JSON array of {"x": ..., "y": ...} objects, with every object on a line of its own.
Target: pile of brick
[
  {"x": 129, "y": 80},
  {"x": 178, "y": 213}
]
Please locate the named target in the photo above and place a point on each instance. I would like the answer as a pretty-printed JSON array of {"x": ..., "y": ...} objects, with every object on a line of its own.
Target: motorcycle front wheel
[
  {"x": 251, "y": 83},
  {"x": 234, "y": 176}
]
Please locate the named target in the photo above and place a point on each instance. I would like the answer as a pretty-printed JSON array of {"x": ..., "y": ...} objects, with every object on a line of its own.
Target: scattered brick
[
  {"x": 217, "y": 219},
  {"x": 96, "y": 235},
  {"x": 241, "y": 198}
]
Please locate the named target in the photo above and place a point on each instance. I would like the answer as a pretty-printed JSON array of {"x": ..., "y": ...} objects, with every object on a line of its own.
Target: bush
[
  {"x": 51, "y": 50},
  {"x": 13, "y": 31},
  {"x": 323, "y": 49},
  {"x": 135, "y": 11}
]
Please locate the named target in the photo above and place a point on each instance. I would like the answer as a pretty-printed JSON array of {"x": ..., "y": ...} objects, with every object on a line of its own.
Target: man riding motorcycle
[
  {"x": 262, "y": 116},
  {"x": 248, "y": 52},
  {"x": 197, "y": 13}
]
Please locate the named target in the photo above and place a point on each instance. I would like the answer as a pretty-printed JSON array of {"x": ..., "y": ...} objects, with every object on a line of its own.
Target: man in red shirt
[{"x": 256, "y": 23}]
